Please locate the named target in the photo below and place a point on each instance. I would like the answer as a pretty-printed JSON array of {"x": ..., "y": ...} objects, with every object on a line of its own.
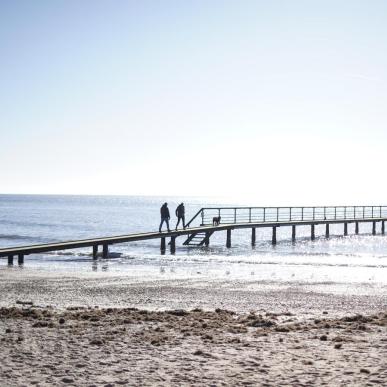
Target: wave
[{"x": 19, "y": 237}]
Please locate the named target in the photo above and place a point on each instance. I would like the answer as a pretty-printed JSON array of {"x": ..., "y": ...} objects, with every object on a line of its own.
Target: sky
[{"x": 273, "y": 102}]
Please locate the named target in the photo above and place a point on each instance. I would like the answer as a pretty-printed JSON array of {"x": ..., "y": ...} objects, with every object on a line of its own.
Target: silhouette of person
[
  {"x": 164, "y": 212},
  {"x": 180, "y": 213}
]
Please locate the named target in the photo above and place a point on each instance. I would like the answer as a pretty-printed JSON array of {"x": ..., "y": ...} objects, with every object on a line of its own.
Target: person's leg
[
  {"x": 183, "y": 219},
  {"x": 161, "y": 224},
  {"x": 178, "y": 222},
  {"x": 167, "y": 221}
]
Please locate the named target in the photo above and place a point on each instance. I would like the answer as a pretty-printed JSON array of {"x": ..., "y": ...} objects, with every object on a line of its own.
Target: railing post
[
  {"x": 314, "y": 212},
  {"x": 363, "y": 211},
  {"x": 325, "y": 213},
  {"x": 380, "y": 211},
  {"x": 335, "y": 214},
  {"x": 354, "y": 212},
  {"x": 235, "y": 215},
  {"x": 345, "y": 212},
  {"x": 277, "y": 213},
  {"x": 249, "y": 214},
  {"x": 372, "y": 209},
  {"x": 302, "y": 213},
  {"x": 290, "y": 214},
  {"x": 202, "y": 215},
  {"x": 264, "y": 214}
]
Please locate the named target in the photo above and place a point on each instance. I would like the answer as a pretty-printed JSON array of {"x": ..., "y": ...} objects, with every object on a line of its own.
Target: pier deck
[{"x": 231, "y": 218}]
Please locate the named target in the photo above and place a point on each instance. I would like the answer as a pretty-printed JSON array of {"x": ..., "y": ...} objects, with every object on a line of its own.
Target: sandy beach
[{"x": 65, "y": 331}]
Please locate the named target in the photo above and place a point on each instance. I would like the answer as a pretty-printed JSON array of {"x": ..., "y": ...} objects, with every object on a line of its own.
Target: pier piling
[
  {"x": 207, "y": 239},
  {"x": 20, "y": 259},
  {"x": 327, "y": 230},
  {"x": 228, "y": 241},
  {"x": 105, "y": 251},
  {"x": 312, "y": 233},
  {"x": 274, "y": 236},
  {"x": 10, "y": 260},
  {"x": 253, "y": 236},
  {"x": 383, "y": 228},
  {"x": 162, "y": 245},
  {"x": 293, "y": 233},
  {"x": 95, "y": 251},
  {"x": 173, "y": 244},
  {"x": 345, "y": 229},
  {"x": 357, "y": 228},
  {"x": 373, "y": 228}
]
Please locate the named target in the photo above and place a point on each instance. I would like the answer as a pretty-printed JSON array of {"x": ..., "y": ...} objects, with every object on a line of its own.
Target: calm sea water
[{"x": 33, "y": 219}]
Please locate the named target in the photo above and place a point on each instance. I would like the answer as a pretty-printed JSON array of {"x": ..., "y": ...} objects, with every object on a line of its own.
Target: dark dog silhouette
[{"x": 216, "y": 220}]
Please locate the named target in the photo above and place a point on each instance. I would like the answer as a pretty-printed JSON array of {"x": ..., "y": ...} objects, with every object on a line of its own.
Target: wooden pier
[{"x": 231, "y": 218}]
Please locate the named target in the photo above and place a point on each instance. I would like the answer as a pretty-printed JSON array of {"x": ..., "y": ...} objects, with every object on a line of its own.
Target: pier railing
[{"x": 230, "y": 215}]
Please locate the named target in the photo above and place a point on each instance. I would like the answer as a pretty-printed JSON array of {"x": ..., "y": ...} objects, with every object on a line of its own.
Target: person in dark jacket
[
  {"x": 180, "y": 213},
  {"x": 164, "y": 212}
]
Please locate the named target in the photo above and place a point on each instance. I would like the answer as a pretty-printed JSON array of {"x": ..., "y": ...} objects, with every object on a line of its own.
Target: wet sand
[{"x": 64, "y": 331}]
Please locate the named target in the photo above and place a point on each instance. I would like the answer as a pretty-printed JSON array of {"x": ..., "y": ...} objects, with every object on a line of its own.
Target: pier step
[{"x": 197, "y": 239}]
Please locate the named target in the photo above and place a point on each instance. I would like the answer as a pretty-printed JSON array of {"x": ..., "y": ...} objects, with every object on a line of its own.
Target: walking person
[
  {"x": 180, "y": 213},
  {"x": 164, "y": 212}
]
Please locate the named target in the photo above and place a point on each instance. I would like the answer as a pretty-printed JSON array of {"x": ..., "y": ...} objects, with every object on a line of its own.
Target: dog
[{"x": 216, "y": 220}]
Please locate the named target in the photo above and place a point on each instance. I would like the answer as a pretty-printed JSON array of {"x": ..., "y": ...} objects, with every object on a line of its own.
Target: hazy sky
[{"x": 281, "y": 102}]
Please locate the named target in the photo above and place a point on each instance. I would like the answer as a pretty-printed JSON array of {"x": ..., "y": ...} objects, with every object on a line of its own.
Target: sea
[{"x": 358, "y": 262}]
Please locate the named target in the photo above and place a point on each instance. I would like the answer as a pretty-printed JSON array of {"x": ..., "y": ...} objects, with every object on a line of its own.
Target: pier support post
[
  {"x": 105, "y": 251},
  {"x": 345, "y": 229},
  {"x": 20, "y": 259},
  {"x": 293, "y": 233},
  {"x": 274, "y": 236},
  {"x": 207, "y": 239},
  {"x": 327, "y": 230},
  {"x": 10, "y": 260},
  {"x": 228, "y": 241},
  {"x": 383, "y": 228},
  {"x": 373, "y": 228},
  {"x": 253, "y": 236},
  {"x": 162, "y": 245},
  {"x": 173, "y": 244},
  {"x": 95, "y": 251},
  {"x": 357, "y": 228},
  {"x": 312, "y": 233}
]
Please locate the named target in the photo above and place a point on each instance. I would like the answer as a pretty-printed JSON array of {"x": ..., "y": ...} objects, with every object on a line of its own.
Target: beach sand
[{"x": 187, "y": 333}]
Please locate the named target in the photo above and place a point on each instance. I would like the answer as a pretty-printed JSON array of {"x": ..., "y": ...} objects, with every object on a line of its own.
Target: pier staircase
[{"x": 198, "y": 239}]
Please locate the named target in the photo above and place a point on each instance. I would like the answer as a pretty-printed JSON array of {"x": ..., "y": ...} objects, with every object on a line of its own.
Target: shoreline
[{"x": 60, "y": 292}]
